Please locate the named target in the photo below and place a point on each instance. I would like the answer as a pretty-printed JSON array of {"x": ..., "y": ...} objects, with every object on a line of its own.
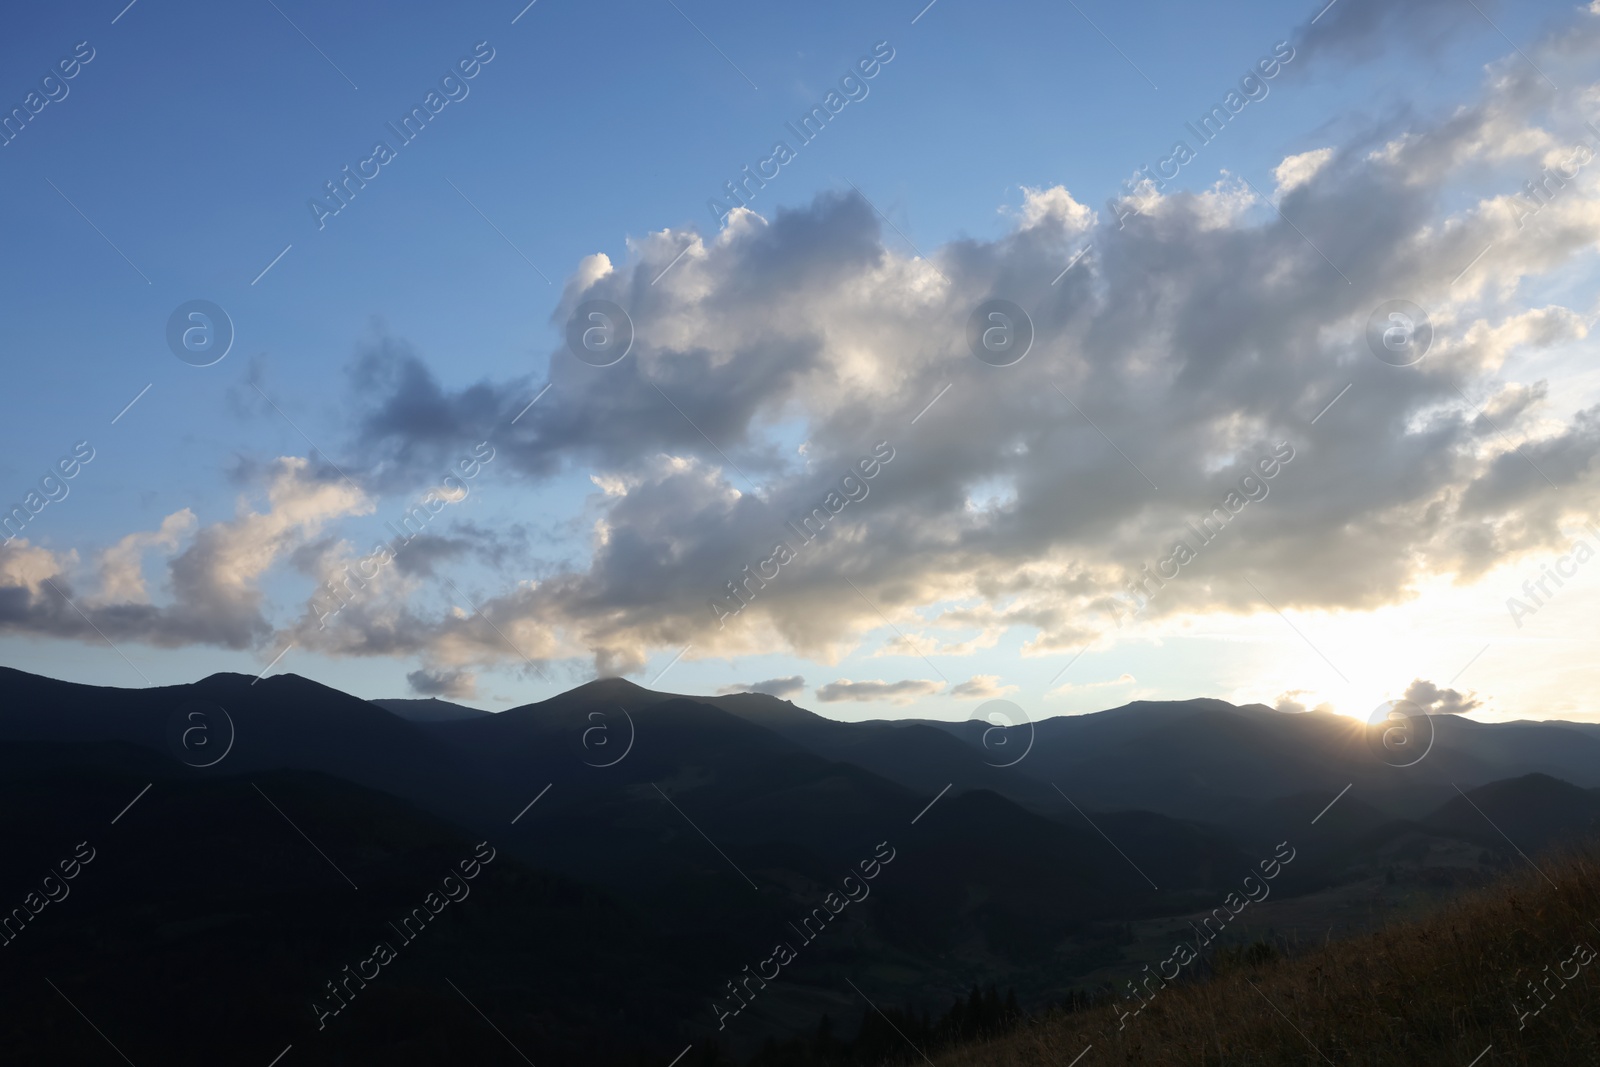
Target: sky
[{"x": 291, "y": 294}]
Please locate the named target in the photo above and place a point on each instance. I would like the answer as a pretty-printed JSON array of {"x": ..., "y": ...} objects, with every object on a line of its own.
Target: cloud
[
  {"x": 214, "y": 583},
  {"x": 1199, "y": 336},
  {"x": 982, "y": 687},
  {"x": 1195, "y": 372},
  {"x": 1435, "y": 701},
  {"x": 122, "y": 565},
  {"x": 778, "y": 687},
  {"x": 1295, "y": 171},
  {"x": 457, "y": 685},
  {"x": 1290, "y": 703},
  {"x": 923, "y": 644},
  {"x": 1053, "y": 207},
  {"x": 894, "y": 692},
  {"x": 1355, "y": 31}
]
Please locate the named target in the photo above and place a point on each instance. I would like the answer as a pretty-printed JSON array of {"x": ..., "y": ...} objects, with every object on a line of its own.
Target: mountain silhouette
[
  {"x": 651, "y": 846},
  {"x": 431, "y": 709}
]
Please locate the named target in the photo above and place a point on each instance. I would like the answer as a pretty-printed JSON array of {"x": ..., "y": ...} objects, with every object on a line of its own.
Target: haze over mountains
[{"x": 651, "y": 846}]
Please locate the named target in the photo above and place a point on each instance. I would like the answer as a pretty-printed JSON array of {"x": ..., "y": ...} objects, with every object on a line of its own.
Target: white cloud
[
  {"x": 903, "y": 692},
  {"x": 121, "y": 565},
  {"x": 1196, "y": 338},
  {"x": 215, "y": 581},
  {"x": 1295, "y": 171},
  {"x": 982, "y": 687},
  {"x": 1291, "y": 702},
  {"x": 1054, "y": 207}
]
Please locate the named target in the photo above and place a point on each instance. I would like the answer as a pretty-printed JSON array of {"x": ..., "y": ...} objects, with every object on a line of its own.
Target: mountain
[
  {"x": 241, "y": 899},
  {"x": 654, "y": 845},
  {"x": 430, "y": 710},
  {"x": 235, "y": 724},
  {"x": 1213, "y": 760},
  {"x": 712, "y": 830},
  {"x": 1532, "y": 812}
]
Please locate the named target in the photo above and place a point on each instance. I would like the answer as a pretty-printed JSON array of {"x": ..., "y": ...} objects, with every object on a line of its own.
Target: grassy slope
[{"x": 1436, "y": 991}]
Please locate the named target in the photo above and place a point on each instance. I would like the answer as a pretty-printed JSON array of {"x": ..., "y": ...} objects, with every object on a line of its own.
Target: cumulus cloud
[
  {"x": 214, "y": 582},
  {"x": 1295, "y": 171},
  {"x": 777, "y": 687},
  {"x": 1435, "y": 701},
  {"x": 457, "y": 685},
  {"x": 863, "y": 692},
  {"x": 1202, "y": 333},
  {"x": 122, "y": 565},
  {"x": 1290, "y": 703},
  {"x": 982, "y": 687},
  {"x": 1199, "y": 336},
  {"x": 1053, "y": 207}
]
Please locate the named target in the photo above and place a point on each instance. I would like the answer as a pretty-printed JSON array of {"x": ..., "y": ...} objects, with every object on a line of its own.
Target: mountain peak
[{"x": 615, "y": 689}]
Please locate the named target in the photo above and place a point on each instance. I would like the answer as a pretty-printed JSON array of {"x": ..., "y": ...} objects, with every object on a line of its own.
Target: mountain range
[{"x": 256, "y": 837}]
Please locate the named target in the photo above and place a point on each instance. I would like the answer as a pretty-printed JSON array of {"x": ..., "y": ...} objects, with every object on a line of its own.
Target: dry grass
[{"x": 1437, "y": 991}]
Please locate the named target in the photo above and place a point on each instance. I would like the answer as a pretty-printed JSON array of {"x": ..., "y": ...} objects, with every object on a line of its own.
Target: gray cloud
[
  {"x": 1198, "y": 338},
  {"x": 778, "y": 687},
  {"x": 214, "y": 581},
  {"x": 863, "y": 692},
  {"x": 1356, "y": 31},
  {"x": 1435, "y": 701},
  {"x": 456, "y": 685},
  {"x": 1191, "y": 342}
]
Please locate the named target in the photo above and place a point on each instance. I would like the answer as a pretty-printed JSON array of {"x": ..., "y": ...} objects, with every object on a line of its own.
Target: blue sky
[{"x": 182, "y": 160}]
